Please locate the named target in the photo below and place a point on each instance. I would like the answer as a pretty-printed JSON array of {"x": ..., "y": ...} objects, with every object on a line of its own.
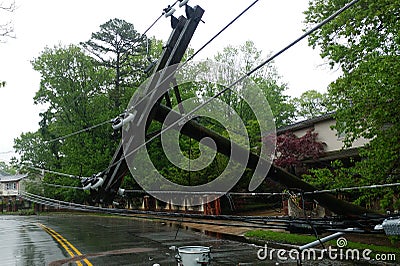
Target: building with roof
[
  {"x": 10, "y": 187},
  {"x": 334, "y": 148}
]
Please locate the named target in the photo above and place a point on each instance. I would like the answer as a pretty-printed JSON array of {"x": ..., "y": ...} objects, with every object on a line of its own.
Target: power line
[
  {"x": 219, "y": 33},
  {"x": 62, "y": 186},
  {"x": 268, "y": 60},
  {"x": 140, "y": 191},
  {"x": 155, "y": 21},
  {"x": 78, "y": 132},
  {"x": 352, "y": 188},
  {"x": 316, "y": 221},
  {"x": 6, "y": 152},
  {"x": 54, "y": 172}
]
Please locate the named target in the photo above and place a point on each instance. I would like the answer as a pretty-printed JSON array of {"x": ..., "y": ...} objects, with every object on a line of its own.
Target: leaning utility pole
[{"x": 174, "y": 50}]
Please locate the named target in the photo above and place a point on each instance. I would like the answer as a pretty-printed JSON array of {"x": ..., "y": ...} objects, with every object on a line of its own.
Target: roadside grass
[
  {"x": 19, "y": 212},
  {"x": 295, "y": 239}
]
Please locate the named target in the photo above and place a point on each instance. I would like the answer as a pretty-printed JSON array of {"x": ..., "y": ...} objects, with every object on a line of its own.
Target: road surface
[{"x": 100, "y": 240}]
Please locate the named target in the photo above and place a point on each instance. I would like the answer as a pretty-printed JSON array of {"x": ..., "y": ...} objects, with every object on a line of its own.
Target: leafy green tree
[
  {"x": 33, "y": 151},
  {"x": 81, "y": 93},
  {"x": 364, "y": 42},
  {"x": 310, "y": 104},
  {"x": 73, "y": 90},
  {"x": 4, "y": 167},
  {"x": 242, "y": 59},
  {"x": 119, "y": 47}
]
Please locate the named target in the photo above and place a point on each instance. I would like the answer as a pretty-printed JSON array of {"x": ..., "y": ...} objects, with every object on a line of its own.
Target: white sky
[{"x": 40, "y": 23}]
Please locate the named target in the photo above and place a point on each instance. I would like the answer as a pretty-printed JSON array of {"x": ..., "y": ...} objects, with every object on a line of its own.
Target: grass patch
[
  {"x": 294, "y": 239},
  {"x": 280, "y": 237}
]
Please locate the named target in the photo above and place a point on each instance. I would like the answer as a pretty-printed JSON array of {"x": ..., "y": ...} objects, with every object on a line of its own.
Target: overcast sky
[{"x": 40, "y": 23}]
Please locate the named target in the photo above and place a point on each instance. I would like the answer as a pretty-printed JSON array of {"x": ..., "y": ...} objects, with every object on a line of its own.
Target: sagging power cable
[
  {"x": 195, "y": 218},
  {"x": 78, "y": 132},
  {"x": 54, "y": 172},
  {"x": 139, "y": 191},
  {"x": 351, "y": 188}
]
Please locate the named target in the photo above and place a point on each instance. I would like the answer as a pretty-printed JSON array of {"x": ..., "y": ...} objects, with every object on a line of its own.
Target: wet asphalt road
[{"x": 39, "y": 240}]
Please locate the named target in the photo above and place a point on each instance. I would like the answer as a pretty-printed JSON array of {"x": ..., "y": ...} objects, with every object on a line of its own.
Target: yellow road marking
[
  {"x": 73, "y": 248},
  {"x": 62, "y": 241}
]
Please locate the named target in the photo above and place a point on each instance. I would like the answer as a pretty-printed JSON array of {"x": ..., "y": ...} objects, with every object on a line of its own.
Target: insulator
[
  {"x": 86, "y": 183},
  {"x": 121, "y": 191},
  {"x": 123, "y": 119},
  {"x": 117, "y": 123},
  {"x": 170, "y": 12},
  {"x": 97, "y": 182},
  {"x": 183, "y": 2}
]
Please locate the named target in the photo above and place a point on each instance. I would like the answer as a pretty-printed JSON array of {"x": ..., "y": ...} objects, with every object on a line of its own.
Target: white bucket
[{"x": 193, "y": 256}]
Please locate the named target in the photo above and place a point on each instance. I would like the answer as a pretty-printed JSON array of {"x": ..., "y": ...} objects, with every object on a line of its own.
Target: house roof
[
  {"x": 3, "y": 173},
  {"x": 335, "y": 155},
  {"x": 12, "y": 178},
  {"x": 305, "y": 123}
]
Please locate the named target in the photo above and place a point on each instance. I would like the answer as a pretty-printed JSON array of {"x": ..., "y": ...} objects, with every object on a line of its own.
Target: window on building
[{"x": 11, "y": 186}]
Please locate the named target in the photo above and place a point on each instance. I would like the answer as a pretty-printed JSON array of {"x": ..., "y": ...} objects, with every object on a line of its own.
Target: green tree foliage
[
  {"x": 73, "y": 89},
  {"x": 334, "y": 177},
  {"x": 364, "y": 42},
  {"x": 242, "y": 59},
  {"x": 5, "y": 168},
  {"x": 238, "y": 61},
  {"x": 311, "y": 104},
  {"x": 80, "y": 91},
  {"x": 119, "y": 47}
]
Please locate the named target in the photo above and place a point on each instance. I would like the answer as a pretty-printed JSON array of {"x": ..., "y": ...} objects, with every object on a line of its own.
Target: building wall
[
  {"x": 10, "y": 191},
  {"x": 329, "y": 136}
]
